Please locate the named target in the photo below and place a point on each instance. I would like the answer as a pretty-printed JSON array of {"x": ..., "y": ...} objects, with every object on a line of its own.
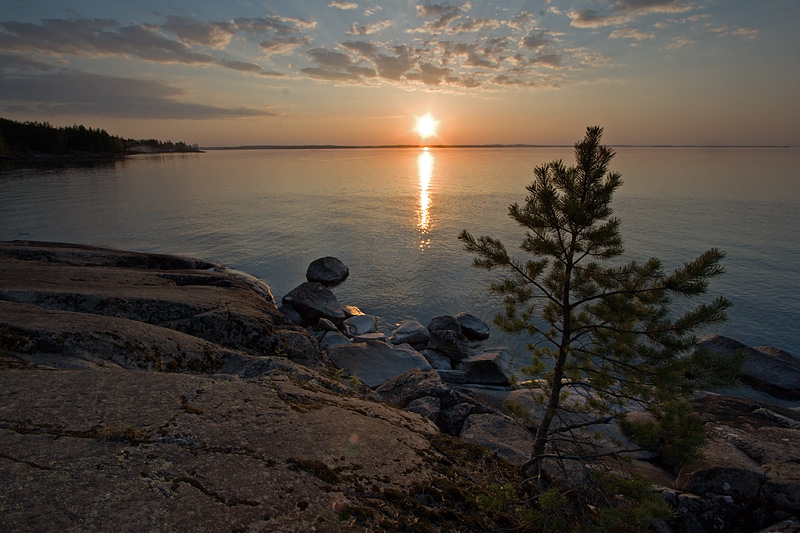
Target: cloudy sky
[{"x": 243, "y": 72}]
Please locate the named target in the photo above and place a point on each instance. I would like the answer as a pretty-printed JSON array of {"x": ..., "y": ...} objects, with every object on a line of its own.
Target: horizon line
[{"x": 517, "y": 145}]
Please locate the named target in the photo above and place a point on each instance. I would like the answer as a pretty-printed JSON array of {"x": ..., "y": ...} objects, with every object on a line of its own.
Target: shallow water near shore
[{"x": 393, "y": 216}]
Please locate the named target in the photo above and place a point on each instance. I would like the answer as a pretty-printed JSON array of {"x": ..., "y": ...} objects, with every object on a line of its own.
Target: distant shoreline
[{"x": 417, "y": 146}]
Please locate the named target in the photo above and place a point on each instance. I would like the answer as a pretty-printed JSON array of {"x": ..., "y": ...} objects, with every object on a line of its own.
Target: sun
[{"x": 426, "y": 126}]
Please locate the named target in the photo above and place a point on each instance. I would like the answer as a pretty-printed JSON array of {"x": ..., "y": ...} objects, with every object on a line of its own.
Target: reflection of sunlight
[{"x": 425, "y": 166}]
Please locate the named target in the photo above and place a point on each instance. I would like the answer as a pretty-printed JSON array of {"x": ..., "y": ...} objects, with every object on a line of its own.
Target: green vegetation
[
  {"x": 602, "y": 328},
  {"x": 29, "y": 139}
]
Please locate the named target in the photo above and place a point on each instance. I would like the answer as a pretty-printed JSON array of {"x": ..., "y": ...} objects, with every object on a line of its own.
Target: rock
[
  {"x": 361, "y": 325},
  {"x": 327, "y": 270},
  {"x": 751, "y": 457},
  {"x": 368, "y": 337},
  {"x": 492, "y": 367},
  {"x": 438, "y": 360},
  {"x": 427, "y": 406},
  {"x": 444, "y": 322},
  {"x": 376, "y": 362},
  {"x": 472, "y": 327},
  {"x": 500, "y": 434},
  {"x": 313, "y": 301},
  {"x": 453, "y": 418},
  {"x": 326, "y": 325},
  {"x": 770, "y": 370},
  {"x": 219, "y": 439},
  {"x": 351, "y": 310},
  {"x": 450, "y": 343},
  {"x": 403, "y": 389},
  {"x": 291, "y": 314},
  {"x": 332, "y": 339},
  {"x": 411, "y": 332}
]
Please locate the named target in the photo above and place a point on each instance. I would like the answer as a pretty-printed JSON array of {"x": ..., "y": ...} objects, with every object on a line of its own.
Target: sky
[{"x": 360, "y": 72}]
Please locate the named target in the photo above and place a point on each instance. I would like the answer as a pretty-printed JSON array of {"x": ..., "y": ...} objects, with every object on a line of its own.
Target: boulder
[
  {"x": 291, "y": 314},
  {"x": 444, "y": 322},
  {"x": 473, "y": 327},
  {"x": 427, "y": 406},
  {"x": 500, "y": 434},
  {"x": 332, "y": 339},
  {"x": 351, "y": 310},
  {"x": 367, "y": 337},
  {"x": 438, "y": 360},
  {"x": 327, "y": 270},
  {"x": 492, "y": 367},
  {"x": 450, "y": 343},
  {"x": 751, "y": 460},
  {"x": 313, "y": 301},
  {"x": 361, "y": 325},
  {"x": 411, "y": 332},
  {"x": 768, "y": 370},
  {"x": 376, "y": 362},
  {"x": 453, "y": 418},
  {"x": 403, "y": 389}
]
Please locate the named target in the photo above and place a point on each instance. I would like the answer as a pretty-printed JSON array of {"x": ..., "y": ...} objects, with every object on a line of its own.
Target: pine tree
[{"x": 596, "y": 322}]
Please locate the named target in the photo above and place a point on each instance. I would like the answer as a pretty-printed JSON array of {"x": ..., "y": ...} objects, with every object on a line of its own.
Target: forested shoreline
[{"x": 30, "y": 140}]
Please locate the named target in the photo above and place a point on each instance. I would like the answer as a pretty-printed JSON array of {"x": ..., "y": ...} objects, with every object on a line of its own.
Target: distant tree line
[{"x": 25, "y": 139}]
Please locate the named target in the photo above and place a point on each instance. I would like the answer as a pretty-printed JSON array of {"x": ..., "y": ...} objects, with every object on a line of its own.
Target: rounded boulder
[{"x": 327, "y": 270}]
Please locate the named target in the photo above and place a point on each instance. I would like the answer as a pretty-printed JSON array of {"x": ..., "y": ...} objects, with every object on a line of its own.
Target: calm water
[{"x": 392, "y": 215}]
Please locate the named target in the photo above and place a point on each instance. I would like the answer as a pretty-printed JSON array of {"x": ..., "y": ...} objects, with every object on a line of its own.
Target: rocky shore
[{"x": 146, "y": 392}]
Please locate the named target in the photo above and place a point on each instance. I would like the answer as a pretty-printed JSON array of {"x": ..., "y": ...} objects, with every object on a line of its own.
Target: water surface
[{"x": 393, "y": 215}]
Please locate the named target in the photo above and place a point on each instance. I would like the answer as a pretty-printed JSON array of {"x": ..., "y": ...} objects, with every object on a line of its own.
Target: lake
[{"x": 393, "y": 215}]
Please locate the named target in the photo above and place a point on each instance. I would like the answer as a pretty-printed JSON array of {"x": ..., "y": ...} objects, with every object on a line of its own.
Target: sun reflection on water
[{"x": 425, "y": 170}]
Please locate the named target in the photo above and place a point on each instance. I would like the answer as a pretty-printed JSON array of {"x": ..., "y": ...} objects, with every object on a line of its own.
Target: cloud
[
  {"x": 338, "y": 4},
  {"x": 429, "y": 74},
  {"x": 91, "y": 38},
  {"x": 368, "y": 29},
  {"x": 80, "y": 93},
  {"x": 284, "y": 45},
  {"x": 521, "y": 20},
  {"x": 724, "y": 31},
  {"x": 631, "y": 33},
  {"x": 442, "y": 14},
  {"x": 336, "y": 66},
  {"x": 535, "y": 40},
  {"x": 279, "y": 25},
  {"x": 589, "y": 18},
  {"x": 651, "y": 6},
  {"x": 15, "y": 62},
  {"x": 213, "y": 34}
]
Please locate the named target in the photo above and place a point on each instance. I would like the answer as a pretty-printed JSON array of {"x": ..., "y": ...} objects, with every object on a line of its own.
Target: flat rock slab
[
  {"x": 376, "y": 362},
  {"x": 123, "y": 450},
  {"x": 141, "y": 392}
]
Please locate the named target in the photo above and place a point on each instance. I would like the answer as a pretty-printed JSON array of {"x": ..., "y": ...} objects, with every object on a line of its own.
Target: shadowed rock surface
[{"x": 141, "y": 392}]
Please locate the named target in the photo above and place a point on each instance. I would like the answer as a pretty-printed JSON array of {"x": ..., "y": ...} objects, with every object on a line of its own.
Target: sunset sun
[{"x": 426, "y": 126}]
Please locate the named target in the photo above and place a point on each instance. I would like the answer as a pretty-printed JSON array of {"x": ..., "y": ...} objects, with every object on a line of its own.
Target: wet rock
[
  {"x": 444, "y": 322},
  {"x": 327, "y": 270},
  {"x": 473, "y": 327},
  {"x": 376, "y": 362},
  {"x": 411, "y": 332},
  {"x": 438, "y": 360},
  {"x": 492, "y": 367},
  {"x": 361, "y": 325},
  {"x": 450, "y": 343},
  {"x": 313, "y": 301},
  {"x": 332, "y": 339},
  {"x": 770, "y": 370}
]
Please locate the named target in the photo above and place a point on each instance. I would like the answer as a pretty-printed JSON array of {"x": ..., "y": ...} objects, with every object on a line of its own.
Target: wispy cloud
[
  {"x": 79, "y": 93},
  {"x": 368, "y": 29},
  {"x": 338, "y": 4}
]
